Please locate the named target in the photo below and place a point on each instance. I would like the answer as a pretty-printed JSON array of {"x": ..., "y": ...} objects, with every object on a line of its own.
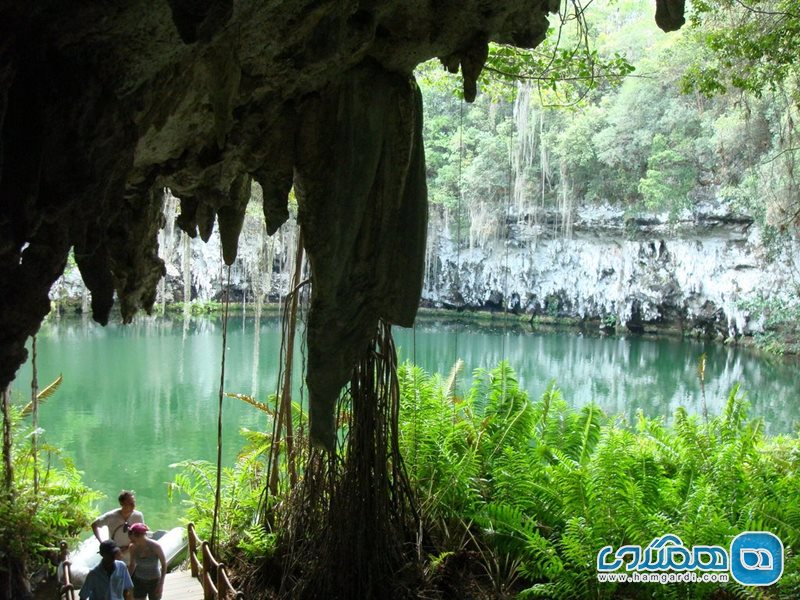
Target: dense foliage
[
  {"x": 518, "y": 496},
  {"x": 539, "y": 487},
  {"x": 646, "y": 141},
  {"x": 242, "y": 487},
  {"x": 708, "y": 114},
  {"x": 751, "y": 46},
  {"x": 36, "y": 517}
]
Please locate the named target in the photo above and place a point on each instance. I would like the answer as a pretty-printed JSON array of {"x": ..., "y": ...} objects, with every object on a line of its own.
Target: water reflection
[
  {"x": 621, "y": 374},
  {"x": 137, "y": 398}
]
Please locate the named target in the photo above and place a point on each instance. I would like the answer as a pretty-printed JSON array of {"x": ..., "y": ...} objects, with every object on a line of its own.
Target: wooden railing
[
  {"x": 67, "y": 590},
  {"x": 211, "y": 573}
]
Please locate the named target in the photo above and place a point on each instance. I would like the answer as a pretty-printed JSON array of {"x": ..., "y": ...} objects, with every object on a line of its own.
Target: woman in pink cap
[{"x": 148, "y": 564}]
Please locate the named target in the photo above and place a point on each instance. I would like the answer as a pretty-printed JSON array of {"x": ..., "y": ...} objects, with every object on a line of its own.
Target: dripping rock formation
[{"x": 103, "y": 104}]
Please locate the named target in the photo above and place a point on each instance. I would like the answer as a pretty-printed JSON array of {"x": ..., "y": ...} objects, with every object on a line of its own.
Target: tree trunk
[
  {"x": 8, "y": 468},
  {"x": 35, "y": 418}
]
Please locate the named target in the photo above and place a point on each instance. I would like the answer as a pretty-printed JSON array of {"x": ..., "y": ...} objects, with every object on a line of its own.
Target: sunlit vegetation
[
  {"x": 43, "y": 501},
  {"x": 517, "y": 496},
  {"x": 535, "y": 489},
  {"x": 749, "y": 46},
  {"x": 242, "y": 489},
  {"x": 640, "y": 140},
  {"x": 707, "y": 114}
]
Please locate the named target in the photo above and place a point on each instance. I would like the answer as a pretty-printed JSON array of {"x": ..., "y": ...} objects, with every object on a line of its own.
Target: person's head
[
  {"x": 108, "y": 551},
  {"x": 127, "y": 502},
  {"x": 137, "y": 532}
]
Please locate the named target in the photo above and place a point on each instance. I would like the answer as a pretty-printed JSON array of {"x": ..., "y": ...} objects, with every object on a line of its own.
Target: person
[
  {"x": 118, "y": 522},
  {"x": 110, "y": 579},
  {"x": 148, "y": 564}
]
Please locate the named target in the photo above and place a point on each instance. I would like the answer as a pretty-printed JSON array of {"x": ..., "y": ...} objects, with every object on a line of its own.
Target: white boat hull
[{"x": 86, "y": 557}]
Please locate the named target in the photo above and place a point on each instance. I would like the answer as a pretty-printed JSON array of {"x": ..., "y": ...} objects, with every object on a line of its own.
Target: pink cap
[{"x": 138, "y": 528}]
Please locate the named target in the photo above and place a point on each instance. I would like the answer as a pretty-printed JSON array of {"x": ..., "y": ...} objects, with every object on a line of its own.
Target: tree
[
  {"x": 669, "y": 179},
  {"x": 751, "y": 46}
]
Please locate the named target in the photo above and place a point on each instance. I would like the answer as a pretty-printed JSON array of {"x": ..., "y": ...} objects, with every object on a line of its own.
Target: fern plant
[
  {"x": 35, "y": 517},
  {"x": 533, "y": 489},
  {"x": 541, "y": 486},
  {"x": 241, "y": 490}
]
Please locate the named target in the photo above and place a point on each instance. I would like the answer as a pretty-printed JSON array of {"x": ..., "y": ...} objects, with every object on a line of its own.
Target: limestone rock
[
  {"x": 362, "y": 200},
  {"x": 103, "y": 104}
]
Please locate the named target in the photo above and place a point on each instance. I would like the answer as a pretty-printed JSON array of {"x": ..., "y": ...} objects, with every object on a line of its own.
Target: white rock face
[
  {"x": 694, "y": 273},
  {"x": 207, "y": 274}
]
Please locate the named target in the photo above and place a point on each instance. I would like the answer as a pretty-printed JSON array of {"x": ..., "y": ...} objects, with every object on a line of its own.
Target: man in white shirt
[
  {"x": 118, "y": 522},
  {"x": 110, "y": 579}
]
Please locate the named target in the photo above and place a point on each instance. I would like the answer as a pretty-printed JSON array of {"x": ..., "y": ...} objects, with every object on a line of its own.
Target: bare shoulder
[
  {"x": 155, "y": 546},
  {"x": 153, "y": 543}
]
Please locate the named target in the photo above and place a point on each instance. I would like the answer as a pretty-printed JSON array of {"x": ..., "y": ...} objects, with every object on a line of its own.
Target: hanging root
[{"x": 349, "y": 531}]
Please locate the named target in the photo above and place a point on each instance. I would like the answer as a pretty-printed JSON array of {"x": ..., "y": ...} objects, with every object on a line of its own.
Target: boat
[{"x": 86, "y": 556}]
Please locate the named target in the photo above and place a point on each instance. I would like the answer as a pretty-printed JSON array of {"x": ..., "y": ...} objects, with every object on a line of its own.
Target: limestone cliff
[{"x": 695, "y": 273}]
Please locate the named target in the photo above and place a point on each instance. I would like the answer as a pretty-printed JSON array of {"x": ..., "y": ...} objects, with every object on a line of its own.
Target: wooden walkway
[{"x": 180, "y": 585}]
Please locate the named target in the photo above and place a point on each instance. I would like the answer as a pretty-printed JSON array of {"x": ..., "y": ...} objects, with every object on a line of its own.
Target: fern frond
[
  {"x": 452, "y": 379},
  {"x": 252, "y": 402},
  {"x": 592, "y": 416},
  {"x": 43, "y": 395}
]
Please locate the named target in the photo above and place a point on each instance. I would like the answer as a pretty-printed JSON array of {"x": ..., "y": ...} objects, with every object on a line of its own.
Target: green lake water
[{"x": 137, "y": 398}]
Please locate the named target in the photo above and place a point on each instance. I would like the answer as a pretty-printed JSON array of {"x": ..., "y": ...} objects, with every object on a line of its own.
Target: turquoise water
[{"x": 138, "y": 398}]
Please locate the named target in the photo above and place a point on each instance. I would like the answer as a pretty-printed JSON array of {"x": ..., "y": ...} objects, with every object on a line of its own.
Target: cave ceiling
[{"x": 103, "y": 104}]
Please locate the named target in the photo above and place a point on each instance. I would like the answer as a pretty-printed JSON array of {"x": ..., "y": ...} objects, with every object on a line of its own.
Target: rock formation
[
  {"x": 104, "y": 103},
  {"x": 697, "y": 273}
]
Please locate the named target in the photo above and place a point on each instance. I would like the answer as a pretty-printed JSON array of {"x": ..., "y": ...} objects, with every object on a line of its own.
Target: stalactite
[
  {"x": 431, "y": 250},
  {"x": 260, "y": 273},
  {"x": 362, "y": 198},
  {"x": 484, "y": 224},
  {"x": 166, "y": 241},
  {"x": 524, "y": 151},
  {"x": 566, "y": 200},
  {"x": 85, "y": 301},
  {"x": 269, "y": 261},
  {"x": 473, "y": 224},
  {"x": 162, "y": 295},
  {"x": 544, "y": 163},
  {"x": 187, "y": 272}
]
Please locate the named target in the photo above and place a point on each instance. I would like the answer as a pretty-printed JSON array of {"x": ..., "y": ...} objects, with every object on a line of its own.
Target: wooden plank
[{"x": 180, "y": 585}]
